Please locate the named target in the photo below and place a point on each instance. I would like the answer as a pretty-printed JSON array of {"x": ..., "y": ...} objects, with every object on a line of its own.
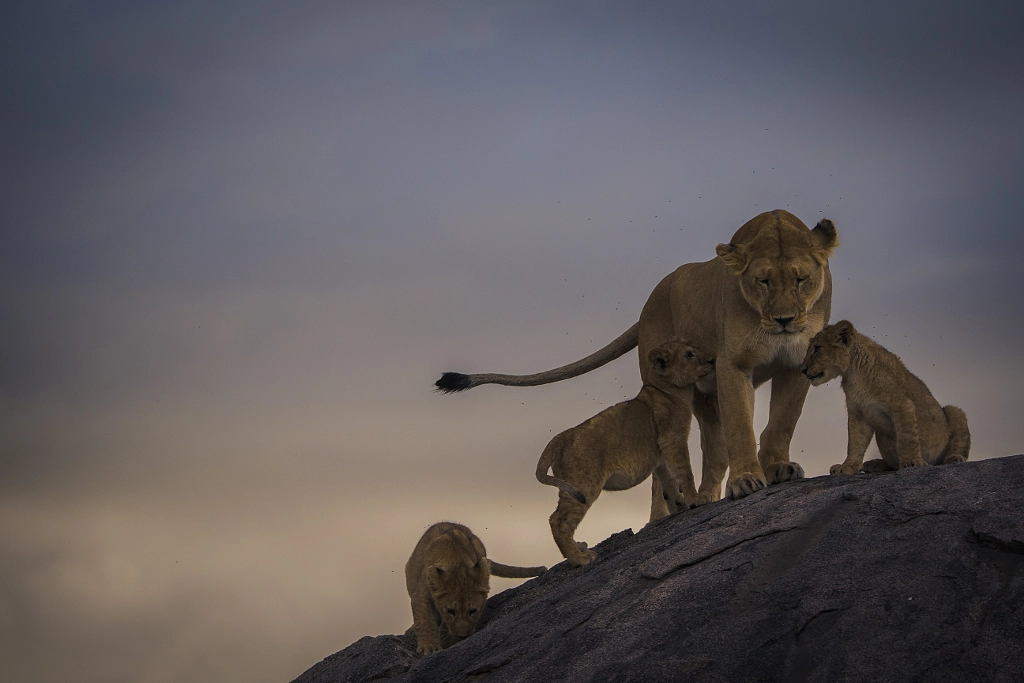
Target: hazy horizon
[{"x": 243, "y": 240}]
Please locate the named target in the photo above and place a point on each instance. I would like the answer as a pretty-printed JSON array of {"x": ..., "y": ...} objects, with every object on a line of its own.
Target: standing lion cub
[
  {"x": 884, "y": 400},
  {"x": 622, "y": 445},
  {"x": 448, "y": 578}
]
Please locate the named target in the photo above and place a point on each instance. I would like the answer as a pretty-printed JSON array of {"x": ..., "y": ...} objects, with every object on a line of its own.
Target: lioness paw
[
  {"x": 950, "y": 459},
  {"x": 745, "y": 484},
  {"x": 704, "y": 499},
  {"x": 778, "y": 472},
  {"x": 843, "y": 469}
]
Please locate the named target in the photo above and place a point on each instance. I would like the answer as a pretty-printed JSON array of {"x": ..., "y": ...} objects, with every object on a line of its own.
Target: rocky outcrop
[{"x": 915, "y": 575}]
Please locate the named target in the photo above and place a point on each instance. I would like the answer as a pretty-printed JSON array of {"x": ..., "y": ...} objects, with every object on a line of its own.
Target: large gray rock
[{"x": 915, "y": 575}]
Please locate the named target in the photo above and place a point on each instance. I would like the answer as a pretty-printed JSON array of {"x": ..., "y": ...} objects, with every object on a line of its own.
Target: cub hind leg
[
  {"x": 564, "y": 520},
  {"x": 959, "y": 446}
]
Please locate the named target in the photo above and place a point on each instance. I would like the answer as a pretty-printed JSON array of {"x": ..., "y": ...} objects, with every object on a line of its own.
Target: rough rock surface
[{"x": 915, "y": 575}]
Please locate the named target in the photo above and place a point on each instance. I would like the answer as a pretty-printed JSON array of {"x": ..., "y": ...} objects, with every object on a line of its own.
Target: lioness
[
  {"x": 448, "y": 581},
  {"x": 754, "y": 308},
  {"x": 622, "y": 445},
  {"x": 885, "y": 400}
]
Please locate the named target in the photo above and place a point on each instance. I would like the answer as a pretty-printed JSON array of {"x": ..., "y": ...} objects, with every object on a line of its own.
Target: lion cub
[
  {"x": 884, "y": 400},
  {"x": 448, "y": 578},
  {"x": 622, "y": 445}
]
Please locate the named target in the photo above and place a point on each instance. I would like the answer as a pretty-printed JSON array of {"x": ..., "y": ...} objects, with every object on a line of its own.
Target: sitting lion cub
[
  {"x": 884, "y": 400},
  {"x": 622, "y": 445},
  {"x": 448, "y": 580}
]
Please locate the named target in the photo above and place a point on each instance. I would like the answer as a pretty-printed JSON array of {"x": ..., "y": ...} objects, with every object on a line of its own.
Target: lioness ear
[
  {"x": 825, "y": 236},
  {"x": 844, "y": 332},
  {"x": 658, "y": 357},
  {"x": 732, "y": 255}
]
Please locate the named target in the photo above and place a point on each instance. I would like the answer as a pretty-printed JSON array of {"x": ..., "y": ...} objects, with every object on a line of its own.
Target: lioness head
[
  {"x": 828, "y": 355},
  {"x": 782, "y": 267},
  {"x": 677, "y": 363},
  {"x": 459, "y": 593}
]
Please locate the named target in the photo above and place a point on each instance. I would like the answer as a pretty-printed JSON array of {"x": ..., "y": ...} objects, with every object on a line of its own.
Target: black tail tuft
[
  {"x": 451, "y": 382},
  {"x": 578, "y": 495}
]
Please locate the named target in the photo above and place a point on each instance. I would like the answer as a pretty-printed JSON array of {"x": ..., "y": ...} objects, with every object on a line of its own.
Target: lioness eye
[
  {"x": 801, "y": 279},
  {"x": 473, "y": 611},
  {"x": 451, "y": 611},
  {"x": 689, "y": 354}
]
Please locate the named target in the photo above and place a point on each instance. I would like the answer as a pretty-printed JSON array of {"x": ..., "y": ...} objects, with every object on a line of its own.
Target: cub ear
[
  {"x": 824, "y": 236},
  {"x": 435, "y": 575},
  {"x": 844, "y": 332},
  {"x": 733, "y": 255},
  {"x": 659, "y": 358}
]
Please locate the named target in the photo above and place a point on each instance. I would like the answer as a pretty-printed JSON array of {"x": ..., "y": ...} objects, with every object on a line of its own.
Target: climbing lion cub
[
  {"x": 885, "y": 400},
  {"x": 448, "y": 580},
  {"x": 622, "y": 445}
]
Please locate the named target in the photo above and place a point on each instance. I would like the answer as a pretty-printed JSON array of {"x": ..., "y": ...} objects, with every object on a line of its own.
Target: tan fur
[
  {"x": 755, "y": 307},
  {"x": 448, "y": 579},
  {"x": 773, "y": 271},
  {"x": 622, "y": 445},
  {"x": 887, "y": 401}
]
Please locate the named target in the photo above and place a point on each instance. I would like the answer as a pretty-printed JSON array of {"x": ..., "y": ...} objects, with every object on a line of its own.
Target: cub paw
[
  {"x": 875, "y": 466},
  {"x": 843, "y": 469},
  {"x": 427, "y": 648},
  {"x": 950, "y": 459},
  {"x": 912, "y": 463},
  {"x": 778, "y": 472},
  {"x": 745, "y": 484},
  {"x": 583, "y": 558}
]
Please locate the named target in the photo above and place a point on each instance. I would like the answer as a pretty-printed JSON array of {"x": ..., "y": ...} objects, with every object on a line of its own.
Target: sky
[{"x": 241, "y": 240}]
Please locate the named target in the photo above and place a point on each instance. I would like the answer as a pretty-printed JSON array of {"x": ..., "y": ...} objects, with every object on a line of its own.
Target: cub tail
[
  {"x": 510, "y": 572},
  {"x": 552, "y": 452}
]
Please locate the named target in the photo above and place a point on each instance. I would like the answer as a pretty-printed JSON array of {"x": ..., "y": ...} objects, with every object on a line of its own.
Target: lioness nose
[{"x": 784, "y": 321}]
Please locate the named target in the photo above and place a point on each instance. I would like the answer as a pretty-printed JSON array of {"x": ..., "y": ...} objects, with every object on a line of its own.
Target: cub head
[
  {"x": 459, "y": 584},
  {"x": 828, "y": 355},
  {"x": 782, "y": 268},
  {"x": 678, "y": 364}
]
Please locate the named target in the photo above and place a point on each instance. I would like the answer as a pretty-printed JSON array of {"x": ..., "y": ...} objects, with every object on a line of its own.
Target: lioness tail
[
  {"x": 451, "y": 382},
  {"x": 552, "y": 452}
]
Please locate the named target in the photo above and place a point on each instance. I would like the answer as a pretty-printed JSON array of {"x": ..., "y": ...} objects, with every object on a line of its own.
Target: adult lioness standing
[{"x": 754, "y": 308}]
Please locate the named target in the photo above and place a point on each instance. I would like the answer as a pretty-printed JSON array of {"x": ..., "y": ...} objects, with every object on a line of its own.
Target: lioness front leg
[
  {"x": 859, "y": 434},
  {"x": 714, "y": 452},
  {"x": 736, "y": 406},
  {"x": 564, "y": 520},
  {"x": 789, "y": 389}
]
